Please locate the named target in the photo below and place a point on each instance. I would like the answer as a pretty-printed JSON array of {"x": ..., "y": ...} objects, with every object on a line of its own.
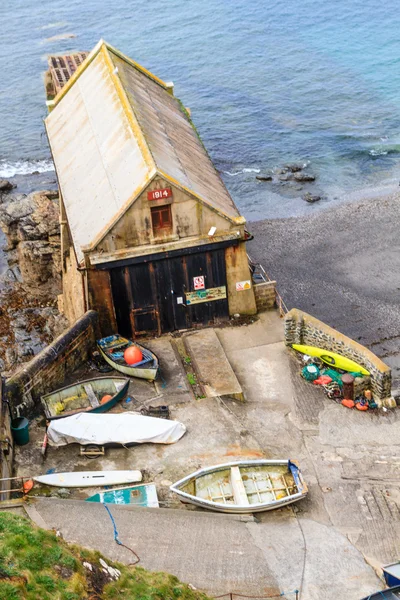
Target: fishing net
[
  {"x": 310, "y": 372},
  {"x": 335, "y": 376}
]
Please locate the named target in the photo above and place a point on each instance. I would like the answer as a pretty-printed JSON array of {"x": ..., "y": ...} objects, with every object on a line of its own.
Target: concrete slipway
[{"x": 327, "y": 545}]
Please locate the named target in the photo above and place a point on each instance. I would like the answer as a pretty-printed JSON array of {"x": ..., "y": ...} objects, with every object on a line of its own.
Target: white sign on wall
[
  {"x": 199, "y": 283},
  {"x": 243, "y": 285}
]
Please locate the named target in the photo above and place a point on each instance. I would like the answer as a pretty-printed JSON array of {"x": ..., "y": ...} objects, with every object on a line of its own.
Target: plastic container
[{"x": 20, "y": 430}]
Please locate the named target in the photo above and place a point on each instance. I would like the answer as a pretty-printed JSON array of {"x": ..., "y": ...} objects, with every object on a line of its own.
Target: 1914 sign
[{"x": 159, "y": 194}]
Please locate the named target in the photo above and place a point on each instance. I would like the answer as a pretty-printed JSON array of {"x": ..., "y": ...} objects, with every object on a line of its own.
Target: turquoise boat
[
  {"x": 138, "y": 495},
  {"x": 85, "y": 396},
  {"x": 112, "y": 349}
]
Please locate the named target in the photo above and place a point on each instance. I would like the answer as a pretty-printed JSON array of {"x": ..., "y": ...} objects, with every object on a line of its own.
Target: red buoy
[{"x": 133, "y": 355}]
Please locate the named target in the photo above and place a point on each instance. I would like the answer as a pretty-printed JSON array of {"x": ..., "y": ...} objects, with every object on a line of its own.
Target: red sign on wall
[
  {"x": 159, "y": 194},
  {"x": 199, "y": 283}
]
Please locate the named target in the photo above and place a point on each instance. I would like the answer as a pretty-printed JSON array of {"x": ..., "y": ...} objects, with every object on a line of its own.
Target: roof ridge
[{"x": 129, "y": 110}]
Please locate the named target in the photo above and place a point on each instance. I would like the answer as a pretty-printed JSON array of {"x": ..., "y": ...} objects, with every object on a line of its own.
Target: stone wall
[
  {"x": 49, "y": 369},
  {"x": 301, "y": 328},
  {"x": 265, "y": 295}
]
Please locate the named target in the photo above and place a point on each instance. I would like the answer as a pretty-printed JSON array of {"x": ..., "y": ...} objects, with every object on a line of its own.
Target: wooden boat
[
  {"x": 85, "y": 396},
  {"x": 243, "y": 486},
  {"x": 331, "y": 358},
  {"x": 112, "y": 349},
  {"x": 138, "y": 495},
  {"x": 78, "y": 479},
  {"x": 391, "y": 574},
  {"x": 392, "y": 593}
]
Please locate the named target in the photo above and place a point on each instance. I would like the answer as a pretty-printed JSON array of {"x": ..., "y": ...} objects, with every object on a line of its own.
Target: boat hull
[
  {"x": 235, "y": 508},
  {"x": 390, "y": 594},
  {"x": 138, "y": 495},
  {"x": 80, "y": 479},
  {"x": 102, "y": 385},
  {"x": 331, "y": 358},
  {"x": 142, "y": 372}
]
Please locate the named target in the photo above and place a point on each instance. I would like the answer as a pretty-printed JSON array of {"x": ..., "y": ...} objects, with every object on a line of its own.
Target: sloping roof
[{"x": 113, "y": 127}]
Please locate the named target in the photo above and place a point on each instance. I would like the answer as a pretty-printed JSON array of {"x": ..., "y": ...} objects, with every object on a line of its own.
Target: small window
[{"x": 161, "y": 219}]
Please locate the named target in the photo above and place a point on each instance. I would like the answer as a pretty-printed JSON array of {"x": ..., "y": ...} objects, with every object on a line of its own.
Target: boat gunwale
[
  {"x": 43, "y": 398},
  {"x": 240, "y": 507}
]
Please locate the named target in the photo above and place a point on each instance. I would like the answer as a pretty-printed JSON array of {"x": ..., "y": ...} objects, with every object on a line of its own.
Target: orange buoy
[
  {"x": 360, "y": 406},
  {"x": 133, "y": 355},
  {"x": 105, "y": 398},
  {"x": 348, "y": 403},
  {"x": 27, "y": 486}
]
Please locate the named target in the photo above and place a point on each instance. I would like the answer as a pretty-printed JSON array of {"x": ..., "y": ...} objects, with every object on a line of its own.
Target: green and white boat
[
  {"x": 85, "y": 396},
  {"x": 112, "y": 349}
]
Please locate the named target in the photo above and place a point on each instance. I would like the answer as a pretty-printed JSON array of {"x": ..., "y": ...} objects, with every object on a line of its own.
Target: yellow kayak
[{"x": 331, "y": 358}]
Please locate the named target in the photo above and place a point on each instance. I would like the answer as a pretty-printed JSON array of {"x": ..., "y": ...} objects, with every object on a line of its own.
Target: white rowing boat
[
  {"x": 243, "y": 486},
  {"x": 80, "y": 479}
]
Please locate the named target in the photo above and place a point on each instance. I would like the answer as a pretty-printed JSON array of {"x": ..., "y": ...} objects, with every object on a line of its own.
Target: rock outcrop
[
  {"x": 31, "y": 226},
  {"x": 29, "y": 318}
]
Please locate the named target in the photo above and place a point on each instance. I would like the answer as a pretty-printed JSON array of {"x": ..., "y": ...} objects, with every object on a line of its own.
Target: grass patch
[
  {"x": 37, "y": 565},
  {"x": 191, "y": 378}
]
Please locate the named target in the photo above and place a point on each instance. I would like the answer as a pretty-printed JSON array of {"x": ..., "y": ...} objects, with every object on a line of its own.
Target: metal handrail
[{"x": 283, "y": 309}]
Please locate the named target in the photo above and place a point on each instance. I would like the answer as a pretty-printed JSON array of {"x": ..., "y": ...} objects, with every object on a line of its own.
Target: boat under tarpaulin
[{"x": 113, "y": 429}]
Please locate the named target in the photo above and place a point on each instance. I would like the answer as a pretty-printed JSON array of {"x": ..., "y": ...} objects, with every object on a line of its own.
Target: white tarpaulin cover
[{"x": 121, "y": 428}]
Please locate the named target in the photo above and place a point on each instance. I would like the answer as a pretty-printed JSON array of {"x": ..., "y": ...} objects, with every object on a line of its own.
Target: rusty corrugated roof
[
  {"x": 114, "y": 125},
  {"x": 63, "y": 67}
]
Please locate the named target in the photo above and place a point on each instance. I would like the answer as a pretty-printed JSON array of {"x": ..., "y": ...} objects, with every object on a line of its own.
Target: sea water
[{"x": 267, "y": 83}]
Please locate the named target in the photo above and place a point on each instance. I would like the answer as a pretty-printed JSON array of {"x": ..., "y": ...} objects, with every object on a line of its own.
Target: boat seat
[
  {"x": 94, "y": 401},
  {"x": 238, "y": 489}
]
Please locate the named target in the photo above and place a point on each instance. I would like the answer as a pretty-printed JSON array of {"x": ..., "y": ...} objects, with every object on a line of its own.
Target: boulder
[
  {"x": 294, "y": 167},
  {"x": 303, "y": 177},
  {"x": 264, "y": 177},
  {"x": 6, "y": 186},
  {"x": 311, "y": 197}
]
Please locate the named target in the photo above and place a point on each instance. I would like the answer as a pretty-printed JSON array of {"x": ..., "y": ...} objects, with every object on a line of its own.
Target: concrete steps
[{"x": 212, "y": 366}]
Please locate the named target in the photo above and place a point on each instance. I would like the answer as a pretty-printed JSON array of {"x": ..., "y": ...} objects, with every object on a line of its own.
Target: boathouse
[{"x": 150, "y": 237}]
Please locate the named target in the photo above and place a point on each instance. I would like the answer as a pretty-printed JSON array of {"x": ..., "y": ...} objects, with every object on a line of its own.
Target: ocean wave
[
  {"x": 25, "y": 167},
  {"x": 241, "y": 171},
  {"x": 376, "y": 152}
]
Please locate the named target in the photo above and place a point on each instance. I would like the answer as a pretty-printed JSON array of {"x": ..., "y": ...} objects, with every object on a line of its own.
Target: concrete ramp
[
  {"x": 215, "y": 553},
  {"x": 214, "y": 371}
]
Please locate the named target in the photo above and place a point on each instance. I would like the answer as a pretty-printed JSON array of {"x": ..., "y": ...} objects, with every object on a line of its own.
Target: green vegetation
[
  {"x": 188, "y": 360},
  {"x": 36, "y": 564},
  {"x": 191, "y": 378}
]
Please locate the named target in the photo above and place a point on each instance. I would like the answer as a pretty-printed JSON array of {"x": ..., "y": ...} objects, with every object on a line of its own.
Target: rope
[
  {"x": 234, "y": 595},
  {"x": 118, "y": 540}
]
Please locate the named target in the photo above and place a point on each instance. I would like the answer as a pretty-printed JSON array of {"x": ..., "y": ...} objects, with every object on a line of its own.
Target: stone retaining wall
[
  {"x": 301, "y": 328},
  {"x": 265, "y": 295},
  {"x": 49, "y": 369}
]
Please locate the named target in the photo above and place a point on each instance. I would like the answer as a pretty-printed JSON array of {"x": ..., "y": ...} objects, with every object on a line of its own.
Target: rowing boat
[
  {"x": 332, "y": 359},
  {"x": 112, "y": 349},
  {"x": 85, "y": 396},
  {"x": 78, "y": 479},
  {"x": 243, "y": 486}
]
